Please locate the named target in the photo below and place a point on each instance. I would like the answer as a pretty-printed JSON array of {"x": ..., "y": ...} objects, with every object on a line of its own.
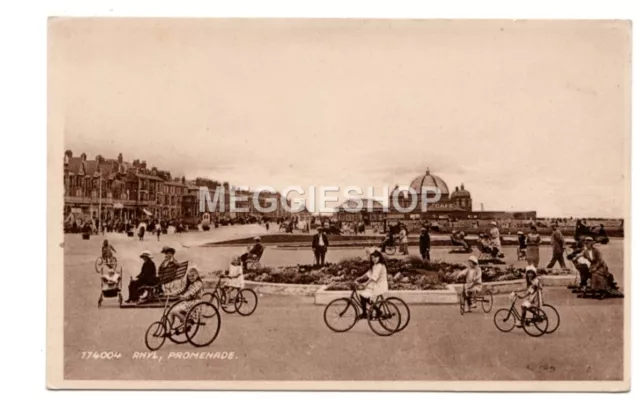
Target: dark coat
[
  {"x": 557, "y": 241},
  {"x": 425, "y": 242},
  {"x": 147, "y": 275},
  {"x": 316, "y": 240},
  {"x": 257, "y": 250}
]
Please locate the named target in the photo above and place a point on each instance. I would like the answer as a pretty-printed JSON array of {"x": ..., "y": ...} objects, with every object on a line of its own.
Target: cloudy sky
[{"x": 528, "y": 115}]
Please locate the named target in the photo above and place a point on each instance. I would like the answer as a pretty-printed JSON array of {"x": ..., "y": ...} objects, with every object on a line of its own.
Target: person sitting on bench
[
  {"x": 458, "y": 239},
  {"x": 147, "y": 277}
]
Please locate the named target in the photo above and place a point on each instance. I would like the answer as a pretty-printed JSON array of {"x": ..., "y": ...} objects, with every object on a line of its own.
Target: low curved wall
[
  {"x": 449, "y": 295},
  {"x": 272, "y": 288},
  {"x": 507, "y": 287}
]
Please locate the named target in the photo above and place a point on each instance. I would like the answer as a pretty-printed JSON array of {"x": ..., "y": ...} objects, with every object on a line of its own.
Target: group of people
[
  {"x": 397, "y": 235},
  {"x": 189, "y": 290},
  {"x": 472, "y": 286},
  {"x": 529, "y": 246},
  {"x": 354, "y": 228}
]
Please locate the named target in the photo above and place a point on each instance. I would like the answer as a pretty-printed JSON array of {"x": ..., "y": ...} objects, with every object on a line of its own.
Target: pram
[
  {"x": 488, "y": 252},
  {"x": 110, "y": 283},
  {"x": 582, "y": 287}
]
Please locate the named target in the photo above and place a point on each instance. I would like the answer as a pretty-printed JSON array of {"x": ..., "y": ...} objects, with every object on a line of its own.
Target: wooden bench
[{"x": 166, "y": 275}]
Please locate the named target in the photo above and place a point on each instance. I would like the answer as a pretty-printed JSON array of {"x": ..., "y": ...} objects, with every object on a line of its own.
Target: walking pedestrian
[
  {"x": 533, "y": 246},
  {"x": 557, "y": 245},
  {"x": 404, "y": 240}
]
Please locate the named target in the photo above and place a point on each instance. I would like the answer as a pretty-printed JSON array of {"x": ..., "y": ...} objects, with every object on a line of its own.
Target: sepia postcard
[{"x": 338, "y": 204}]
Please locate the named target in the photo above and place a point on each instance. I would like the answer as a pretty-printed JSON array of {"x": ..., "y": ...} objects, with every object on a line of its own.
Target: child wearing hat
[
  {"x": 473, "y": 281},
  {"x": 533, "y": 294}
]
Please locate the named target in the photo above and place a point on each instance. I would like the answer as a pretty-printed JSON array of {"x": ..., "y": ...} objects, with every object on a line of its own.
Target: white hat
[
  {"x": 520, "y": 233},
  {"x": 474, "y": 260},
  {"x": 257, "y": 238},
  {"x": 531, "y": 268},
  {"x": 493, "y": 223},
  {"x": 147, "y": 254}
]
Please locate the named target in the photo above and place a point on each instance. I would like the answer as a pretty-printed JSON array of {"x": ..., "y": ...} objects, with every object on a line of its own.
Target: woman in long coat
[
  {"x": 533, "y": 246},
  {"x": 598, "y": 268}
]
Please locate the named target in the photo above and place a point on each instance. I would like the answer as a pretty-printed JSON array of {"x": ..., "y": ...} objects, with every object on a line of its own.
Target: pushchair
[
  {"x": 583, "y": 287},
  {"x": 110, "y": 283},
  {"x": 489, "y": 253},
  {"x": 459, "y": 242}
]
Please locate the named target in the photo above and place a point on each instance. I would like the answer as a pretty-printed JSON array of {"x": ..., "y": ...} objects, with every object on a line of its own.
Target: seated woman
[
  {"x": 458, "y": 239},
  {"x": 601, "y": 279},
  {"x": 147, "y": 277},
  {"x": 190, "y": 295}
]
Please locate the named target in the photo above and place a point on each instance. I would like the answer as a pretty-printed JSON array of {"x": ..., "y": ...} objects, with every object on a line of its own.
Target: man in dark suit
[
  {"x": 319, "y": 245},
  {"x": 557, "y": 247},
  {"x": 147, "y": 277},
  {"x": 425, "y": 244}
]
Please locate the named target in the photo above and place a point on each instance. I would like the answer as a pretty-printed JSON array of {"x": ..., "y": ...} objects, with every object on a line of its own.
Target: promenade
[{"x": 286, "y": 338}]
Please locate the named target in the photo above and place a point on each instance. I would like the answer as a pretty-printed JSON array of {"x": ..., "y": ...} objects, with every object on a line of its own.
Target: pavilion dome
[
  {"x": 430, "y": 182},
  {"x": 460, "y": 193}
]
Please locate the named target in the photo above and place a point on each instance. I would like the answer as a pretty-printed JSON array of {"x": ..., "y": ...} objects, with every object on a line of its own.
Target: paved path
[{"x": 286, "y": 339}]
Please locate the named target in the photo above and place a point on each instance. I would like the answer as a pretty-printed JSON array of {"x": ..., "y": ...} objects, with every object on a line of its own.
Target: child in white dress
[{"x": 235, "y": 279}]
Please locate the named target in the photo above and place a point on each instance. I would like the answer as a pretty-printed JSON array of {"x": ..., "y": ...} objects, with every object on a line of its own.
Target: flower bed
[{"x": 409, "y": 273}]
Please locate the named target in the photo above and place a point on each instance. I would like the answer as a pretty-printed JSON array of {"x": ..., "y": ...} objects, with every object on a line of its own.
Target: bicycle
[
  {"x": 535, "y": 324},
  {"x": 100, "y": 261},
  {"x": 553, "y": 316},
  {"x": 486, "y": 297},
  {"x": 382, "y": 312},
  {"x": 405, "y": 313},
  {"x": 198, "y": 317},
  {"x": 245, "y": 301}
]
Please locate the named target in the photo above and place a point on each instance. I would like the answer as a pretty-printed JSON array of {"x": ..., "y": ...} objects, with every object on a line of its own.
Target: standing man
[
  {"x": 557, "y": 246},
  {"x": 319, "y": 245},
  {"x": 425, "y": 244}
]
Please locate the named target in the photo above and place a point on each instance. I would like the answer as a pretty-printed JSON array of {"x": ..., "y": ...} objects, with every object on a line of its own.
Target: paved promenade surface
[{"x": 286, "y": 338}]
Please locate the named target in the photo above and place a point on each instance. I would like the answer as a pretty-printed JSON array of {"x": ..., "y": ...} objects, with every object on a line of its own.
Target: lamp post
[{"x": 100, "y": 204}]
